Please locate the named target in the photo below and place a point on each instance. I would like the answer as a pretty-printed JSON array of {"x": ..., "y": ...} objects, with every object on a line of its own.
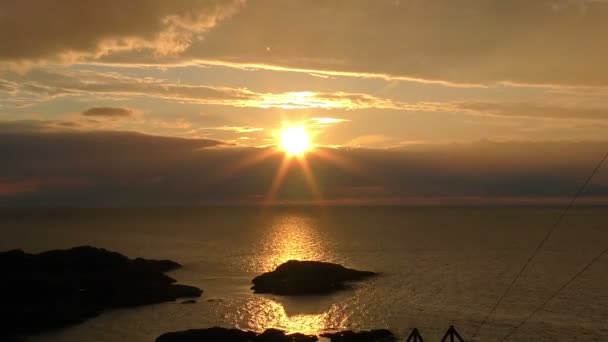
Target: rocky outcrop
[
  {"x": 272, "y": 335},
  {"x": 307, "y": 278},
  {"x": 62, "y": 287},
  {"x": 379, "y": 335},
  {"x": 233, "y": 335}
]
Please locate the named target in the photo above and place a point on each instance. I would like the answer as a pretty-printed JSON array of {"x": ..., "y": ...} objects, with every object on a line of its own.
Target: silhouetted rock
[
  {"x": 62, "y": 287},
  {"x": 379, "y": 335},
  {"x": 272, "y": 335},
  {"x": 307, "y": 278},
  {"x": 190, "y": 301},
  {"x": 233, "y": 335}
]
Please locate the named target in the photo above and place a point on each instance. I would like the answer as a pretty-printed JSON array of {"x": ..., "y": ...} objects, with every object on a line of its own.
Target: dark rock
[
  {"x": 190, "y": 301},
  {"x": 233, "y": 335},
  {"x": 307, "y": 278},
  {"x": 298, "y": 337},
  {"x": 275, "y": 335},
  {"x": 210, "y": 334},
  {"x": 272, "y": 335},
  {"x": 379, "y": 335},
  {"x": 61, "y": 287}
]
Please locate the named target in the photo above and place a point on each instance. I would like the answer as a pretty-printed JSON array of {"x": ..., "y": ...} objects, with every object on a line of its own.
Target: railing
[{"x": 450, "y": 336}]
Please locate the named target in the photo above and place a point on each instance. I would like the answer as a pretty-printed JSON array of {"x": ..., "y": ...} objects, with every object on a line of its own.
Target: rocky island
[
  {"x": 61, "y": 287},
  {"x": 272, "y": 335},
  {"x": 295, "y": 278}
]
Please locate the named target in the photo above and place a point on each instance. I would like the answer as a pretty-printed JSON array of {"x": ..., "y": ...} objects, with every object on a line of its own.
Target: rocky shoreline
[{"x": 59, "y": 288}]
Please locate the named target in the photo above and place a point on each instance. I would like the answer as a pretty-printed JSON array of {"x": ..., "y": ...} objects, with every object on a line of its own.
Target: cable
[
  {"x": 597, "y": 257},
  {"x": 541, "y": 244}
]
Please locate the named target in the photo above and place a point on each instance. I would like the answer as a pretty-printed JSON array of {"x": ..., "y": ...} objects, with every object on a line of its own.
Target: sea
[{"x": 439, "y": 266}]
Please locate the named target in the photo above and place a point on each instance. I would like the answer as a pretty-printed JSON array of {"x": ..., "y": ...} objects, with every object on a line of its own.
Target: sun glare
[{"x": 294, "y": 140}]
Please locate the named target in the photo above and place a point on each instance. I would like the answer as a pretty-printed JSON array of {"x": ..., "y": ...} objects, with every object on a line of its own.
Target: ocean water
[{"x": 439, "y": 266}]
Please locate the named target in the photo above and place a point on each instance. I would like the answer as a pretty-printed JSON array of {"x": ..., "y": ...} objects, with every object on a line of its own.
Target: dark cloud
[
  {"x": 40, "y": 30},
  {"x": 43, "y": 166},
  {"x": 57, "y": 160},
  {"x": 108, "y": 112}
]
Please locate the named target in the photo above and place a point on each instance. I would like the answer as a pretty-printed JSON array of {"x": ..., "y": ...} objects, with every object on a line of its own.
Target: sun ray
[
  {"x": 257, "y": 157},
  {"x": 296, "y": 147},
  {"x": 344, "y": 163},
  {"x": 278, "y": 180},
  {"x": 246, "y": 163},
  {"x": 310, "y": 179}
]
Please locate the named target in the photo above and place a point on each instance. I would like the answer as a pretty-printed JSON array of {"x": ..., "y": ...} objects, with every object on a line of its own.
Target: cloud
[
  {"x": 479, "y": 42},
  {"x": 328, "y": 121},
  {"x": 369, "y": 140},
  {"x": 51, "y": 166},
  {"x": 38, "y": 30},
  {"x": 16, "y": 187},
  {"x": 7, "y": 86},
  {"x": 41, "y": 85},
  {"x": 237, "y": 129},
  {"x": 108, "y": 112},
  {"x": 308, "y": 99},
  {"x": 534, "y": 110},
  {"x": 542, "y": 42}
]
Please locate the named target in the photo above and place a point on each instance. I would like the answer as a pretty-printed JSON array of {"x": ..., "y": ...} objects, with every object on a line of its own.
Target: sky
[{"x": 147, "y": 102}]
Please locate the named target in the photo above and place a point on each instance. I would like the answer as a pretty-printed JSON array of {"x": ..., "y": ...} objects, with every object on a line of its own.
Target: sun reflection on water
[
  {"x": 263, "y": 313},
  {"x": 291, "y": 237}
]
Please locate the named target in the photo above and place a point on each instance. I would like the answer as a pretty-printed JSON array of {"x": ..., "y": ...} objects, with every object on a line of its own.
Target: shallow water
[{"x": 440, "y": 266}]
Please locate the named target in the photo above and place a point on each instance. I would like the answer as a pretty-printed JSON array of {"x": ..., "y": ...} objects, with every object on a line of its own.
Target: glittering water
[{"x": 440, "y": 266}]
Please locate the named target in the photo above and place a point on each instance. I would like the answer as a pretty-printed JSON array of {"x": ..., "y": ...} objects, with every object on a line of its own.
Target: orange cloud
[
  {"x": 43, "y": 85},
  {"x": 17, "y": 187}
]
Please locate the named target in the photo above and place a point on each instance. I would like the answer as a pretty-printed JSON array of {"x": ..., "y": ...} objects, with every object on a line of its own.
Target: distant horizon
[{"x": 557, "y": 204}]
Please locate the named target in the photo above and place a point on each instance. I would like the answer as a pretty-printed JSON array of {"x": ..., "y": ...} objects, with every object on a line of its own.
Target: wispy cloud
[
  {"x": 534, "y": 110},
  {"x": 370, "y": 140},
  {"x": 45, "y": 85},
  {"x": 328, "y": 121},
  {"x": 108, "y": 112},
  {"x": 411, "y": 41},
  {"x": 39, "y": 86},
  {"x": 237, "y": 129}
]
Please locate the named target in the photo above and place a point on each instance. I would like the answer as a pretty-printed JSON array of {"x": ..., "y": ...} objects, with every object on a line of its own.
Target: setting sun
[{"x": 294, "y": 140}]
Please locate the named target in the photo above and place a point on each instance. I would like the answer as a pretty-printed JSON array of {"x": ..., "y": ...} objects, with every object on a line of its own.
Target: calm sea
[{"x": 440, "y": 266}]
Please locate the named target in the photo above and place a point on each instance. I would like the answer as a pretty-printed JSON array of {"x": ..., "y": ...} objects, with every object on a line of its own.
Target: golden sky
[{"x": 417, "y": 79}]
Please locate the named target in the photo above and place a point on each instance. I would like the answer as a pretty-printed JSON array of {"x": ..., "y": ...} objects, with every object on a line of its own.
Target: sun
[{"x": 295, "y": 140}]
